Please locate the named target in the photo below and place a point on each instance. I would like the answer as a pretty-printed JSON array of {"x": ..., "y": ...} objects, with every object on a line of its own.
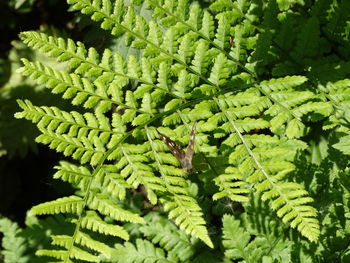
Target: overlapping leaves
[{"x": 188, "y": 72}]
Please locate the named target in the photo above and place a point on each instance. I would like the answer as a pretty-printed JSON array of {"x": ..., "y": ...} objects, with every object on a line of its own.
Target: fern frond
[
  {"x": 291, "y": 105},
  {"x": 113, "y": 182},
  {"x": 168, "y": 50},
  {"x": 82, "y": 239},
  {"x": 83, "y": 148},
  {"x": 201, "y": 23},
  {"x": 73, "y": 174},
  {"x": 339, "y": 95},
  {"x": 254, "y": 164},
  {"x": 236, "y": 242},
  {"x": 188, "y": 216},
  {"x": 338, "y": 92},
  {"x": 93, "y": 222},
  {"x": 75, "y": 253},
  {"x": 63, "y": 50},
  {"x": 106, "y": 206},
  {"x": 167, "y": 235},
  {"x": 13, "y": 244},
  {"x": 110, "y": 70},
  {"x": 343, "y": 145},
  {"x": 230, "y": 184},
  {"x": 133, "y": 166},
  {"x": 70, "y": 133},
  {"x": 182, "y": 207},
  {"x": 80, "y": 90},
  {"x": 72, "y": 204},
  {"x": 193, "y": 65},
  {"x": 144, "y": 251}
]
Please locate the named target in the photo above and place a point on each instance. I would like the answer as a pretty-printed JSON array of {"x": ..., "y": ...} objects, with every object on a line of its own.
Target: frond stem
[
  {"x": 252, "y": 155},
  {"x": 129, "y": 30},
  {"x": 111, "y": 150},
  {"x": 207, "y": 39}
]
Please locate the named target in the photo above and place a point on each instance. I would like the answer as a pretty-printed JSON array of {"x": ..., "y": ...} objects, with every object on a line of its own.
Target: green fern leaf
[
  {"x": 183, "y": 208},
  {"x": 230, "y": 184},
  {"x": 75, "y": 252},
  {"x": 291, "y": 105},
  {"x": 71, "y": 204},
  {"x": 93, "y": 222},
  {"x": 73, "y": 174},
  {"x": 191, "y": 67},
  {"x": 236, "y": 241},
  {"x": 167, "y": 235},
  {"x": 54, "y": 124},
  {"x": 87, "y": 241},
  {"x": 343, "y": 145},
  {"x": 105, "y": 206},
  {"x": 268, "y": 176},
  {"x": 144, "y": 251},
  {"x": 13, "y": 244},
  {"x": 188, "y": 216}
]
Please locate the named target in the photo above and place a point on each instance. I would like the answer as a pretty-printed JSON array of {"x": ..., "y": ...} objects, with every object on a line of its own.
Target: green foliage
[
  {"x": 251, "y": 244},
  {"x": 16, "y": 137},
  {"x": 14, "y": 246},
  {"x": 256, "y": 101}
]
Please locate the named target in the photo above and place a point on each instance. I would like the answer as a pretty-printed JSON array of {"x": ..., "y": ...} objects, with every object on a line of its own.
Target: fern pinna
[{"x": 195, "y": 65}]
